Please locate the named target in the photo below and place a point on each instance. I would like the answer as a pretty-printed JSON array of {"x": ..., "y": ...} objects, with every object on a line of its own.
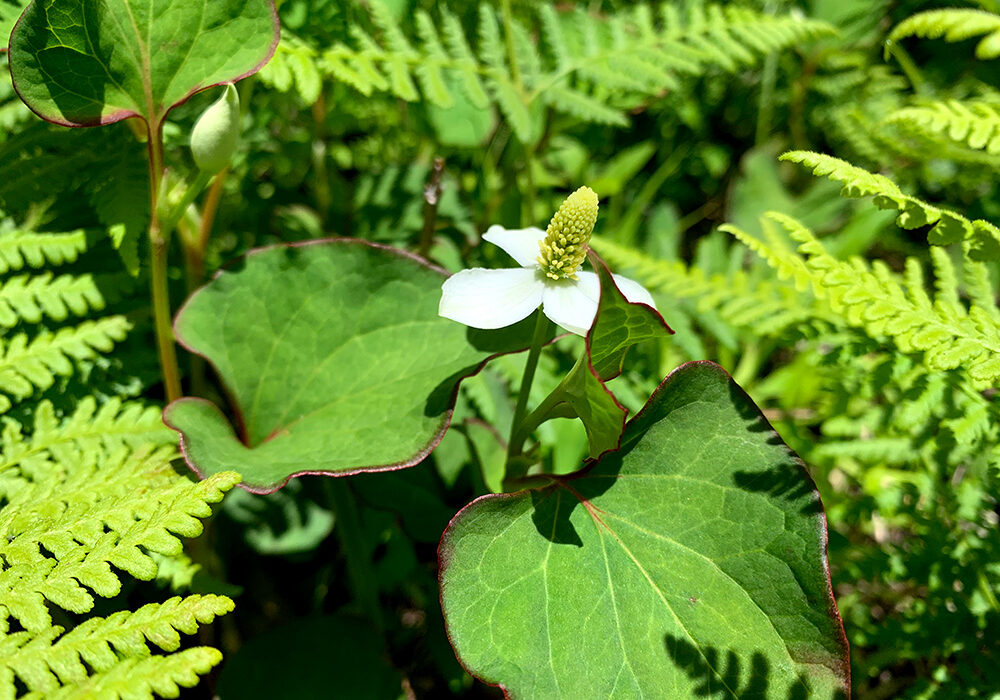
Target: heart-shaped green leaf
[
  {"x": 618, "y": 326},
  {"x": 690, "y": 562},
  {"x": 335, "y": 360},
  {"x": 89, "y": 62}
]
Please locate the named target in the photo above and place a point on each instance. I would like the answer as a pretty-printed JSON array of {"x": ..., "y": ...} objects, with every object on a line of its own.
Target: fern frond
[
  {"x": 88, "y": 430},
  {"x": 884, "y": 450},
  {"x": 59, "y": 536},
  {"x": 765, "y": 307},
  {"x": 954, "y": 24},
  {"x": 26, "y": 248},
  {"x": 946, "y": 226},
  {"x": 27, "y": 365},
  {"x": 103, "y": 652},
  {"x": 870, "y": 297},
  {"x": 972, "y": 124},
  {"x": 29, "y": 298},
  {"x": 294, "y": 65},
  {"x": 578, "y": 65}
]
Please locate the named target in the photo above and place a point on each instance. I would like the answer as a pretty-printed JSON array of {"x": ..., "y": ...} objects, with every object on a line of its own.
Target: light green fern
[
  {"x": 954, "y": 24},
  {"x": 743, "y": 300},
  {"x": 89, "y": 430},
  {"x": 110, "y": 657},
  {"x": 947, "y": 226},
  {"x": 871, "y": 297},
  {"x": 582, "y": 65},
  {"x": 28, "y": 248},
  {"x": 28, "y": 298},
  {"x": 294, "y": 66},
  {"x": 87, "y": 496},
  {"x": 974, "y": 124}
]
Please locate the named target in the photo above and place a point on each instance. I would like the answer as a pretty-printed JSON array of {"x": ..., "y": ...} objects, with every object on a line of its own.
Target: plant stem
[
  {"x": 321, "y": 179},
  {"x": 432, "y": 197},
  {"x": 896, "y": 50},
  {"x": 158, "y": 270},
  {"x": 514, "y": 449},
  {"x": 359, "y": 566},
  {"x": 193, "y": 190}
]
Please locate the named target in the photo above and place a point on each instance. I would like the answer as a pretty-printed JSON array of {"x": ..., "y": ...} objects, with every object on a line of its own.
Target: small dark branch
[{"x": 432, "y": 197}]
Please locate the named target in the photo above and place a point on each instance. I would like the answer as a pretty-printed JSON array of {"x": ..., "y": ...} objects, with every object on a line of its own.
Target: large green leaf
[
  {"x": 89, "y": 62},
  {"x": 335, "y": 360},
  {"x": 691, "y": 562}
]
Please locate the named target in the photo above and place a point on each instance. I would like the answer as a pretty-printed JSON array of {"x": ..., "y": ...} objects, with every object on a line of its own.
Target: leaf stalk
[
  {"x": 159, "y": 289},
  {"x": 517, "y": 437}
]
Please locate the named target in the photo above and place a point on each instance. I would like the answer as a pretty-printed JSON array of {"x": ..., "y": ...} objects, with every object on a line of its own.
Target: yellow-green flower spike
[{"x": 564, "y": 247}]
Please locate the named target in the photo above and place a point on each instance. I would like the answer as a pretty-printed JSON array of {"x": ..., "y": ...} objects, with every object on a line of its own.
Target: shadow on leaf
[
  {"x": 785, "y": 481},
  {"x": 551, "y": 510},
  {"x": 723, "y": 674}
]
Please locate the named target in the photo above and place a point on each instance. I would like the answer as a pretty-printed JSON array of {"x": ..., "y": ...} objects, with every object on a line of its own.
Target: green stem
[
  {"x": 514, "y": 449},
  {"x": 321, "y": 179},
  {"x": 432, "y": 198},
  {"x": 359, "y": 565},
  {"x": 158, "y": 270},
  {"x": 896, "y": 50},
  {"x": 534, "y": 419},
  {"x": 193, "y": 190}
]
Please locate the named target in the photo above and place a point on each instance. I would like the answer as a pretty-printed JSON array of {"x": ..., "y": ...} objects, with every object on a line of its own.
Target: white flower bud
[{"x": 215, "y": 134}]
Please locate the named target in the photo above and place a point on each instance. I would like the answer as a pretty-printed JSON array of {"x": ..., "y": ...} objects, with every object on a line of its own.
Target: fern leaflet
[
  {"x": 870, "y": 297},
  {"x": 954, "y": 24},
  {"x": 947, "y": 227},
  {"x": 578, "y": 65}
]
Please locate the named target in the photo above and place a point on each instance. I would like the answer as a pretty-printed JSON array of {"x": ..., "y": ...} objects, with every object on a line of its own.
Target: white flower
[{"x": 484, "y": 298}]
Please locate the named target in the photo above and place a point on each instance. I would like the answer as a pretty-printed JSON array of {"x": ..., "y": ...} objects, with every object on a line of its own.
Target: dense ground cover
[{"x": 805, "y": 188}]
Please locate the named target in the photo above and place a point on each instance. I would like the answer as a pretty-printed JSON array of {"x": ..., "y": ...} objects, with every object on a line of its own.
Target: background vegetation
[{"x": 859, "y": 311}]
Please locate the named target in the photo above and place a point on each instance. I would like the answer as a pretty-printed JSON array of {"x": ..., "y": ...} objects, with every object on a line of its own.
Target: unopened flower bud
[{"x": 215, "y": 134}]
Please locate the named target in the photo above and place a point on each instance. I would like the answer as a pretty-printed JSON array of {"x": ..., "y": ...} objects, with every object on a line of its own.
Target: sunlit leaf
[
  {"x": 689, "y": 563},
  {"x": 89, "y": 62},
  {"x": 335, "y": 359}
]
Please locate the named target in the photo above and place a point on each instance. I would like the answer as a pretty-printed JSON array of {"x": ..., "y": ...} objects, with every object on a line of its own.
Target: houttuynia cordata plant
[{"x": 299, "y": 398}]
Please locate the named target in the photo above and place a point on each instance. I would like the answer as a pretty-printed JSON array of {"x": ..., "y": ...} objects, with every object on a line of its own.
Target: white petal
[
  {"x": 490, "y": 298},
  {"x": 634, "y": 291},
  {"x": 572, "y": 304},
  {"x": 520, "y": 243}
]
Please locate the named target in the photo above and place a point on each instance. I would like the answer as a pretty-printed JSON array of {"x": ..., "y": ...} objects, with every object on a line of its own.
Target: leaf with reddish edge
[
  {"x": 691, "y": 562},
  {"x": 335, "y": 361},
  {"x": 619, "y": 325},
  {"x": 92, "y": 62}
]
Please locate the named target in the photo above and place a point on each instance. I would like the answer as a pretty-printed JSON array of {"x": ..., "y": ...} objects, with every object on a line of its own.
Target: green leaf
[
  {"x": 690, "y": 562},
  {"x": 335, "y": 359},
  {"x": 84, "y": 63},
  {"x": 618, "y": 326}
]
